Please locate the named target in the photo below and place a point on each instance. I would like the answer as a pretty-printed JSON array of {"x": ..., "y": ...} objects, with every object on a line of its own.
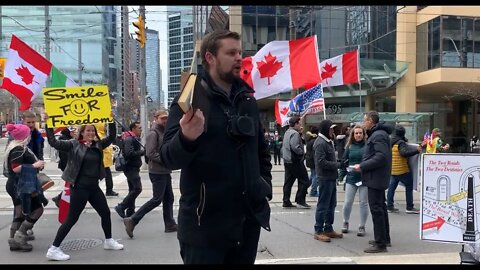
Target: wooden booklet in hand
[
  {"x": 186, "y": 96},
  {"x": 194, "y": 95}
]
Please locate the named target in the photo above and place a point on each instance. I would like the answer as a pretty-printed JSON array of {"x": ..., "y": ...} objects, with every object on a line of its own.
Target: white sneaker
[
  {"x": 56, "y": 254},
  {"x": 112, "y": 244}
]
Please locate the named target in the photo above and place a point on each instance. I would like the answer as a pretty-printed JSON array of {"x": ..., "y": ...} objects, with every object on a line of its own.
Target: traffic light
[
  {"x": 2, "y": 67},
  {"x": 140, "y": 24}
]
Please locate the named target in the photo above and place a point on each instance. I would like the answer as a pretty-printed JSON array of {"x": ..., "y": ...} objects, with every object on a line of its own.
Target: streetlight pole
[
  {"x": 460, "y": 58},
  {"x": 143, "y": 76}
]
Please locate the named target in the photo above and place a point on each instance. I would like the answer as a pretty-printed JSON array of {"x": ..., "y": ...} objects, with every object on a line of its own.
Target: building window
[
  {"x": 175, "y": 64},
  {"x": 175, "y": 48},
  {"x": 175, "y": 56},
  {"x": 448, "y": 41},
  {"x": 175, "y": 40},
  {"x": 188, "y": 54},
  {"x": 187, "y": 30},
  {"x": 188, "y": 46},
  {"x": 173, "y": 25},
  {"x": 175, "y": 32},
  {"x": 188, "y": 38}
]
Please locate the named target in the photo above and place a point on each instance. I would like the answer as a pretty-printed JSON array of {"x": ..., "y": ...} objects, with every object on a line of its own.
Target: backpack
[
  {"x": 118, "y": 158},
  {"x": 119, "y": 161}
]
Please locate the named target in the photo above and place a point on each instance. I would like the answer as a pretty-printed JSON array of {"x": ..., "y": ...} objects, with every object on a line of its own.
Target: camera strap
[{"x": 224, "y": 108}]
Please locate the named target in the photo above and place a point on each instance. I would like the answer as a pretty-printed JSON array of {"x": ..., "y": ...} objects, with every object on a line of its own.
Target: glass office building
[
  {"x": 180, "y": 46},
  {"x": 152, "y": 63},
  {"x": 90, "y": 26}
]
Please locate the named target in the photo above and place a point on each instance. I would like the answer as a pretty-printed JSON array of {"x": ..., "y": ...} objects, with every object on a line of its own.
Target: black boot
[
  {"x": 120, "y": 210},
  {"x": 56, "y": 200}
]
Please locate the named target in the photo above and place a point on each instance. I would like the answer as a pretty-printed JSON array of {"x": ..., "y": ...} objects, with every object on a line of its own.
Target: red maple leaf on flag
[
  {"x": 270, "y": 67},
  {"x": 284, "y": 110},
  {"x": 25, "y": 74},
  {"x": 329, "y": 71}
]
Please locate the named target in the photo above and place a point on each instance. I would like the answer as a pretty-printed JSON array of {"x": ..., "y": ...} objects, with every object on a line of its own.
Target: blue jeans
[
  {"x": 407, "y": 180},
  {"x": 350, "y": 191},
  {"x": 327, "y": 201},
  {"x": 313, "y": 182}
]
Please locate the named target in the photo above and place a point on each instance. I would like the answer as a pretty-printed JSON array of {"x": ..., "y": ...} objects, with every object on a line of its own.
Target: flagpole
[{"x": 359, "y": 77}]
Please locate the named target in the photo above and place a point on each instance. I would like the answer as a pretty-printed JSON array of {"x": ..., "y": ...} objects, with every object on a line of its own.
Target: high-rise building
[
  {"x": 442, "y": 44},
  {"x": 152, "y": 62},
  {"x": 109, "y": 23},
  {"x": 90, "y": 30},
  {"x": 68, "y": 25},
  {"x": 180, "y": 46}
]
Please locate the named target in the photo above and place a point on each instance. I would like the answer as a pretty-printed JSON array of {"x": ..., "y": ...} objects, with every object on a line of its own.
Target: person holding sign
[{"x": 83, "y": 172}]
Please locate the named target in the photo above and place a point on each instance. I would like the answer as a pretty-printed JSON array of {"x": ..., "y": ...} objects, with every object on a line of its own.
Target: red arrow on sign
[{"x": 434, "y": 223}]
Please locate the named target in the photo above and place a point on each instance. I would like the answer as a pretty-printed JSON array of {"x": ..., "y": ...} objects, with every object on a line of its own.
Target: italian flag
[
  {"x": 26, "y": 72},
  {"x": 58, "y": 79}
]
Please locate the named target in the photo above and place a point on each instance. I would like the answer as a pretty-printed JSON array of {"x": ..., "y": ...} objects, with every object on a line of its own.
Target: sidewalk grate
[{"x": 79, "y": 244}]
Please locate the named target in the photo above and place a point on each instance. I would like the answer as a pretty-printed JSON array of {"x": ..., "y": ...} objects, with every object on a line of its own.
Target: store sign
[{"x": 336, "y": 118}]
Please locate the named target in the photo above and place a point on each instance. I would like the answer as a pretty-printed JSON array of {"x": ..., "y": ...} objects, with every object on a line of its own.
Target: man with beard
[
  {"x": 225, "y": 182},
  {"x": 376, "y": 168}
]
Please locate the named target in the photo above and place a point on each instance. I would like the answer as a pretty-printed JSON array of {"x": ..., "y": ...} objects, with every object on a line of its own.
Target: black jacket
[
  {"x": 76, "y": 152},
  {"x": 310, "y": 139},
  {"x": 376, "y": 163},
  {"x": 63, "y": 155},
  {"x": 224, "y": 179},
  {"x": 326, "y": 164},
  {"x": 404, "y": 149},
  {"x": 133, "y": 152}
]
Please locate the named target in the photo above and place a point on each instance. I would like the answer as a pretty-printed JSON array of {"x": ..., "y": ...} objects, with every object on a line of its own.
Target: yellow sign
[
  {"x": 75, "y": 106},
  {"x": 3, "y": 61}
]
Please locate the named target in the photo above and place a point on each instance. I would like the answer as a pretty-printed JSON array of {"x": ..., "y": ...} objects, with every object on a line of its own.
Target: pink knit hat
[{"x": 19, "y": 131}]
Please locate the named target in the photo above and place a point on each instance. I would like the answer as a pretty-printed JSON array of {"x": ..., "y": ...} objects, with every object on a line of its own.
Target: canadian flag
[
  {"x": 26, "y": 72},
  {"x": 281, "y": 66},
  {"x": 282, "y": 109},
  {"x": 64, "y": 203},
  {"x": 340, "y": 70}
]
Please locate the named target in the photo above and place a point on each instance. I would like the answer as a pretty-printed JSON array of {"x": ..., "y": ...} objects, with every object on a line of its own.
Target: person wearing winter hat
[
  {"x": 401, "y": 151},
  {"x": 35, "y": 144},
  {"x": 22, "y": 165},
  {"x": 326, "y": 166}
]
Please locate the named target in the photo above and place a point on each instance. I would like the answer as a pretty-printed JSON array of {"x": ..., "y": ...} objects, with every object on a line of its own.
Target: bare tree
[{"x": 466, "y": 92}]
